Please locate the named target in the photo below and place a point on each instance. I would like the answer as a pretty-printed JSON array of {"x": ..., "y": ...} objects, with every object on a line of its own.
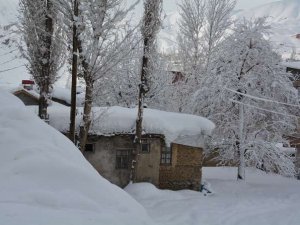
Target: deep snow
[
  {"x": 178, "y": 128},
  {"x": 263, "y": 199},
  {"x": 44, "y": 179}
]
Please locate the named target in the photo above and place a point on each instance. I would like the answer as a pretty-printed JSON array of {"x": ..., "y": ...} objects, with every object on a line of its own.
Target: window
[
  {"x": 122, "y": 159},
  {"x": 145, "y": 146},
  {"x": 89, "y": 148},
  {"x": 166, "y": 156}
]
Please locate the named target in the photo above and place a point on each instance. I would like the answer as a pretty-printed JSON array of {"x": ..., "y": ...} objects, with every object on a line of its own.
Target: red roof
[{"x": 27, "y": 82}]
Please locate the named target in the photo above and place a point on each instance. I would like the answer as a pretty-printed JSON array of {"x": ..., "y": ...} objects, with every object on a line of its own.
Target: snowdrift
[
  {"x": 264, "y": 199},
  {"x": 46, "y": 180}
]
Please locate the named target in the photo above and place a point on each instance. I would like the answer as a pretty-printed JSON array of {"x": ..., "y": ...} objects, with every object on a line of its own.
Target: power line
[
  {"x": 2, "y": 71},
  {"x": 271, "y": 111},
  {"x": 9, "y": 52},
  {"x": 8, "y": 61},
  {"x": 261, "y": 99}
]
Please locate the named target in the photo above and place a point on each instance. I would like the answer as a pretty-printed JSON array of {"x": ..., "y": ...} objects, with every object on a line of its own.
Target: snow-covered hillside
[
  {"x": 284, "y": 18},
  {"x": 46, "y": 180}
]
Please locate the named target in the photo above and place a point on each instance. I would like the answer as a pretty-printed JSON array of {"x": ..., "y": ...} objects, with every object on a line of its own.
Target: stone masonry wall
[
  {"x": 185, "y": 171},
  {"x": 103, "y": 159}
]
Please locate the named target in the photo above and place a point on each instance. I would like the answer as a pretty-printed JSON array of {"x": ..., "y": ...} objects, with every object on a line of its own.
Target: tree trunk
[
  {"x": 46, "y": 67},
  {"x": 143, "y": 89},
  {"x": 84, "y": 128},
  {"x": 242, "y": 165},
  {"x": 43, "y": 102},
  {"x": 74, "y": 75}
]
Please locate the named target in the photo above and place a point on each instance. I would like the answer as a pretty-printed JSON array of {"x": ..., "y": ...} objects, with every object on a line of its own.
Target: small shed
[
  {"x": 172, "y": 145},
  {"x": 294, "y": 68},
  {"x": 28, "y": 97},
  {"x": 295, "y": 143}
]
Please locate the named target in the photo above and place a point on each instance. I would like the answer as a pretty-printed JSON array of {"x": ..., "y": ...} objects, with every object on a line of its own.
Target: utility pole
[
  {"x": 242, "y": 165},
  {"x": 74, "y": 73}
]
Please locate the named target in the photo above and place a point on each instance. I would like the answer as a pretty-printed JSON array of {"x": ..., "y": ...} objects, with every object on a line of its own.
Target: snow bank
[
  {"x": 46, "y": 180},
  {"x": 265, "y": 199},
  {"x": 187, "y": 129}
]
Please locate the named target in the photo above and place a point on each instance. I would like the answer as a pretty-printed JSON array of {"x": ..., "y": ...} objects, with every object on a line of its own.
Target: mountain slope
[
  {"x": 284, "y": 19},
  {"x": 279, "y": 11}
]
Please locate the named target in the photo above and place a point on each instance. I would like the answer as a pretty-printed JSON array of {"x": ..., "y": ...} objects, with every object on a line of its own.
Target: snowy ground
[
  {"x": 261, "y": 200},
  {"x": 45, "y": 180}
]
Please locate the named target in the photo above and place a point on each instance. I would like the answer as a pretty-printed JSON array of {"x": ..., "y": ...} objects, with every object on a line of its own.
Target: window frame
[
  {"x": 164, "y": 160},
  {"x": 120, "y": 155},
  {"x": 146, "y": 142},
  {"x": 93, "y": 147}
]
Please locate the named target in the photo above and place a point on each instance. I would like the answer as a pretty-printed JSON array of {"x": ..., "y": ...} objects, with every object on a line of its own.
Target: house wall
[
  {"x": 26, "y": 99},
  {"x": 149, "y": 163},
  {"x": 185, "y": 172},
  {"x": 104, "y": 159}
]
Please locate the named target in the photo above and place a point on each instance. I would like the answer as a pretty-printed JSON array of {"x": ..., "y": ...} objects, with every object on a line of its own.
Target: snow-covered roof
[
  {"x": 107, "y": 121},
  {"x": 294, "y": 65},
  {"x": 65, "y": 95},
  {"x": 287, "y": 150}
]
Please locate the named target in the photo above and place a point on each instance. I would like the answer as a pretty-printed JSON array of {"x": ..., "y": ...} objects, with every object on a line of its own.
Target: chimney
[{"x": 28, "y": 84}]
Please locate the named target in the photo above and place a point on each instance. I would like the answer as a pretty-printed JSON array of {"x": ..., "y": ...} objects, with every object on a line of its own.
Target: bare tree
[
  {"x": 101, "y": 47},
  {"x": 217, "y": 22},
  {"x": 43, "y": 46},
  {"x": 190, "y": 41}
]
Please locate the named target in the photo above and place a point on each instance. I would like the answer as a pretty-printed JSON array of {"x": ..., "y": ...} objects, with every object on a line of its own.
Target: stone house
[
  {"x": 175, "y": 167},
  {"x": 172, "y": 146}
]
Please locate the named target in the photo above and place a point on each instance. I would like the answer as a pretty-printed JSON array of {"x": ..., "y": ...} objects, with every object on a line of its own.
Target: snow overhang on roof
[
  {"x": 181, "y": 128},
  {"x": 292, "y": 65}
]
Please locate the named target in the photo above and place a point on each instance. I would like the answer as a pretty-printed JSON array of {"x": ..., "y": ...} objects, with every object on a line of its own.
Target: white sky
[
  {"x": 246, "y": 4},
  {"x": 171, "y": 5}
]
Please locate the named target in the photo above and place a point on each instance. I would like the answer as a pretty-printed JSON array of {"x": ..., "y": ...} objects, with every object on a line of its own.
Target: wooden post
[{"x": 74, "y": 74}]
